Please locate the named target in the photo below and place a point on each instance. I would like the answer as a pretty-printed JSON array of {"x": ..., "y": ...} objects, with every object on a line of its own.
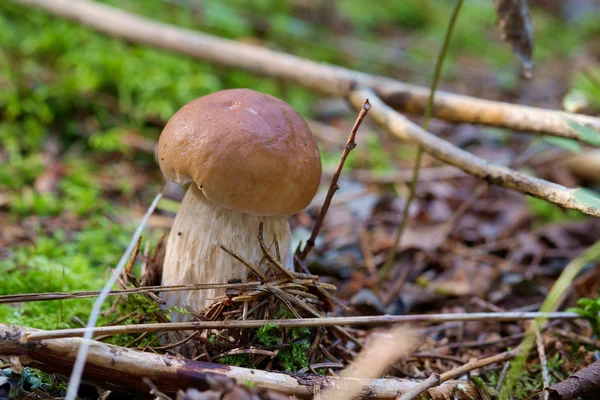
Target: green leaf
[
  {"x": 587, "y": 134},
  {"x": 571, "y": 145},
  {"x": 588, "y": 198}
]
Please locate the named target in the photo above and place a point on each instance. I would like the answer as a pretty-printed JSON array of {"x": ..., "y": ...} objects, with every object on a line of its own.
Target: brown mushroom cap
[{"x": 245, "y": 150}]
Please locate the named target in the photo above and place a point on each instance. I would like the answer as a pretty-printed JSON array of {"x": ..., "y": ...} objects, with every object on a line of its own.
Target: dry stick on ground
[
  {"x": 408, "y": 131},
  {"x": 126, "y": 367},
  {"x": 333, "y": 187},
  {"x": 379, "y": 320},
  {"x": 255, "y": 271},
  {"x": 31, "y": 297},
  {"x": 277, "y": 266},
  {"x": 49, "y": 296},
  {"x": 473, "y": 364},
  {"x": 327, "y": 79},
  {"x": 539, "y": 341}
]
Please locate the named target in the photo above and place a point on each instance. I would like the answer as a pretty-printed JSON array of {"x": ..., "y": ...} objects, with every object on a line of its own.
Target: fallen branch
[
  {"x": 127, "y": 368},
  {"x": 327, "y": 79},
  {"x": 500, "y": 175},
  {"x": 379, "y": 320}
]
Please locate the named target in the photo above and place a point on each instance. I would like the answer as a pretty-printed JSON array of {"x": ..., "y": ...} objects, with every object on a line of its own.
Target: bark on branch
[
  {"x": 325, "y": 78},
  {"x": 125, "y": 367},
  {"x": 500, "y": 175}
]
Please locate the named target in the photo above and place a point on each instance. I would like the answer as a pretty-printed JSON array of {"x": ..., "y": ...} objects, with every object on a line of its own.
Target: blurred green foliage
[
  {"x": 545, "y": 212},
  {"x": 590, "y": 309}
]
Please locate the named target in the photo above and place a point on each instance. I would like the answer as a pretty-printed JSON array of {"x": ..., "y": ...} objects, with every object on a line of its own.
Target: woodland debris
[
  {"x": 126, "y": 367},
  {"x": 379, "y": 320},
  {"x": 496, "y": 174},
  {"x": 514, "y": 21},
  {"x": 585, "y": 382}
]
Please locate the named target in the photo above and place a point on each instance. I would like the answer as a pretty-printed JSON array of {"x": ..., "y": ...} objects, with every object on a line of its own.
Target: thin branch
[
  {"x": 500, "y": 175},
  {"x": 327, "y": 79},
  {"x": 255, "y": 271},
  {"x": 539, "y": 341},
  {"x": 387, "y": 266},
  {"x": 126, "y": 368},
  {"x": 379, "y": 320},
  {"x": 158, "y": 395},
  {"x": 31, "y": 297},
  {"x": 77, "y": 371},
  {"x": 279, "y": 268},
  {"x": 333, "y": 187},
  {"x": 433, "y": 381},
  {"x": 476, "y": 364},
  {"x": 473, "y": 364}
]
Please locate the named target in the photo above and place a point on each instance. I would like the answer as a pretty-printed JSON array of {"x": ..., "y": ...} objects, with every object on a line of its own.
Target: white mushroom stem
[{"x": 194, "y": 254}]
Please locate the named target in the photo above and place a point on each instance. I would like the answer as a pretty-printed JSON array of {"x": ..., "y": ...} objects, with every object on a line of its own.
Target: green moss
[
  {"x": 237, "y": 360},
  {"x": 295, "y": 357},
  {"x": 590, "y": 309},
  {"x": 269, "y": 334}
]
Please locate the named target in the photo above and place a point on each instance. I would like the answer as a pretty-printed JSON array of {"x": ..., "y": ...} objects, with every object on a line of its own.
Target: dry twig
[
  {"x": 435, "y": 379},
  {"x": 539, "y": 341},
  {"x": 31, "y": 297},
  {"x": 406, "y": 130},
  {"x": 333, "y": 187},
  {"x": 380, "y": 320}
]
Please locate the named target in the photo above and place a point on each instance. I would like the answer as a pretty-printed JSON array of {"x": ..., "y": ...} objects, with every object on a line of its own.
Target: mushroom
[{"x": 250, "y": 158}]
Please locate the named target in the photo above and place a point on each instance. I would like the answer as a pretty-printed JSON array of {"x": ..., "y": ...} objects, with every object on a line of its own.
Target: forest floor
[{"x": 81, "y": 113}]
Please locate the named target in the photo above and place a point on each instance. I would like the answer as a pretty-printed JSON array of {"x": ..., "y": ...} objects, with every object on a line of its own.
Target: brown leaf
[
  {"x": 585, "y": 382},
  {"x": 515, "y": 24},
  {"x": 153, "y": 272}
]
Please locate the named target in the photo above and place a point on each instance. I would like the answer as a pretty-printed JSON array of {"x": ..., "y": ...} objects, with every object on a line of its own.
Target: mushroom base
[{"x": 194, "y": 255}]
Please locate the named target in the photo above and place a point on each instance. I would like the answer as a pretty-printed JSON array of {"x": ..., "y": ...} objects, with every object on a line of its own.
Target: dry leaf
[
  {"x": 585, "y": 382},
  {"x": 514, "y": 21}
]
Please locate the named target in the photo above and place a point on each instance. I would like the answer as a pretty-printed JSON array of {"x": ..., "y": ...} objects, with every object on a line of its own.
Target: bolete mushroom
[{"x": 250, "y": 158}]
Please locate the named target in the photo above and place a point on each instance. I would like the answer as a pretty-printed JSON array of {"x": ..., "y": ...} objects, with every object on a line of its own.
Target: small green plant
[
  {"x": 589, "y": 309},
  {"x": 269, "y": 334},
  {"x": 237, "y": 360},
  {"x": 295, "y": 357},
  {"x": 379, "y": 159}
]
